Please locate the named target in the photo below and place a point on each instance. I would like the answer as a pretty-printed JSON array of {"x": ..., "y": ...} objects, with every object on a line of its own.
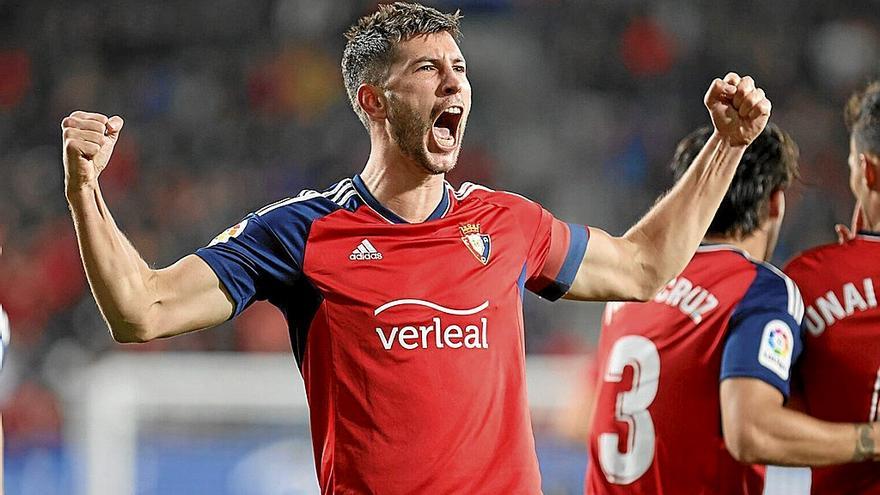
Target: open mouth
[{"x": 445, "y": 128}]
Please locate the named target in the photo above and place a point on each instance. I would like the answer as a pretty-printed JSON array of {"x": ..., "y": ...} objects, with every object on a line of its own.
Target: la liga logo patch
[
  {"x": 231, "y": 232},
  {"x": 777, "y": 347}
]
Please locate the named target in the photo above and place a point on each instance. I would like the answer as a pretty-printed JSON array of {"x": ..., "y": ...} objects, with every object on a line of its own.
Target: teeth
[{"x": 453, "y": 110}]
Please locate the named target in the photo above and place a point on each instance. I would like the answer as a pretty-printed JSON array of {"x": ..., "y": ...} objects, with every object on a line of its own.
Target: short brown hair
[
  {"x": 371, "y": 42},
  {"x": 862, "y": 115},
  {"x": 769, "y": 164}
]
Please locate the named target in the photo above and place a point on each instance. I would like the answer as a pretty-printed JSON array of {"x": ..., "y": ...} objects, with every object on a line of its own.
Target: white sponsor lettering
[
  {"x": 434, "y": 333},
  {"x": 453, "y": 336}
]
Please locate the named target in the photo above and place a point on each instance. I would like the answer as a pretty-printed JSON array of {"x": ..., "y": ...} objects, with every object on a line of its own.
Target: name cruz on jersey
[
  {"x": 680, "y": 293},
  {"x": 435, "y": 334},
  {"x": 690, "y": 299}
]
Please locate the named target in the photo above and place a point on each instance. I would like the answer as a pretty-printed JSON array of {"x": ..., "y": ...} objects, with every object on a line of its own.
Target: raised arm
[
  {"x": 636, "y": 265},
  {"x": 138, "y": 303},
  {"x": 758, "y": 429}
]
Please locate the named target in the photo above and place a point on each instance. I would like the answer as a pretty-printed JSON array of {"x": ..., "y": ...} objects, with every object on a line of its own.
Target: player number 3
[{"x": 622, "y": 468}]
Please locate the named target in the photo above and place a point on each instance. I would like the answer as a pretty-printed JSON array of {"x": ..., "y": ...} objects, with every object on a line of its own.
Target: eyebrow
[{"x": 456, "y": 60}]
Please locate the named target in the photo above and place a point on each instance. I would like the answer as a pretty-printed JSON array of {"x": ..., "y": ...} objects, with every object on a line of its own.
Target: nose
[{"x": 452, "y": 83}]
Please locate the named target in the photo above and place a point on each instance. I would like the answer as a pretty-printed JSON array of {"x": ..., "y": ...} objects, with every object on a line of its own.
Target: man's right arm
[{"x": 138, "y": 302}]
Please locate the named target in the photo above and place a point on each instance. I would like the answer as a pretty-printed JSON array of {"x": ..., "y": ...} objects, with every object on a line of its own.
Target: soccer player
[
  {"x": 402, "y": 295},
  {"x": 663, "y": 423},
  {"x": 840, "y": 370}
]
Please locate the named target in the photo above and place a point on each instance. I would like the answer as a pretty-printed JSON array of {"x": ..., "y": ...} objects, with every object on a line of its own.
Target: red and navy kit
[
  {"x": 409, "y": 336},
  {"x": 839, "y": 373},
  {"x": 657, "y": 425}
]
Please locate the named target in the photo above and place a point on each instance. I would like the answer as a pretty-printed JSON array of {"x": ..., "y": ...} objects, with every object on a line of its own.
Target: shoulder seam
[
  {"x": 795, "y": 300},
  {"x": 467, "y": 188},
  {"x": 338, "y": 194}
]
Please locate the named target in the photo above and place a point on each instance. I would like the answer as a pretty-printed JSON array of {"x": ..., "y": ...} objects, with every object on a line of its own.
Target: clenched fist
[
  {"x": 89, "y": 139},
  {"x": 739, "y": 110}
]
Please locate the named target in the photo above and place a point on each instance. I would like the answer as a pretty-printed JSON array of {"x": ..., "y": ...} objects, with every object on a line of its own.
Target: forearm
[
  {"x": 666, "y": 237},
  {"x": 791, "y": 438},
  {"x": 759, "y": 429},
  {"x": 119, "y": 278}
]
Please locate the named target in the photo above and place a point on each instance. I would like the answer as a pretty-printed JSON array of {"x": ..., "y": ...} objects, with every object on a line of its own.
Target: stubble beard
[{"x": 409, "y": 130}]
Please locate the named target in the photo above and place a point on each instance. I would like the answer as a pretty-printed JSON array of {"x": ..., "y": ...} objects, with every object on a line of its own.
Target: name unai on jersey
[{"x": 827, "y": 309}]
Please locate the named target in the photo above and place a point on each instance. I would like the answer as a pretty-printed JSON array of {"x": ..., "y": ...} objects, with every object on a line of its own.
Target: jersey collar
[
  {"x": 708, "y": 247},
  {"x": 365, "y": 194}
]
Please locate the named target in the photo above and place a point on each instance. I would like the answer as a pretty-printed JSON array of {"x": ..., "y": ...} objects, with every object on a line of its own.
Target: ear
[
  {"x": 777, "y": 205},
  {"x": 869, "y": 164},
  {"x": 372, "y": 101}
]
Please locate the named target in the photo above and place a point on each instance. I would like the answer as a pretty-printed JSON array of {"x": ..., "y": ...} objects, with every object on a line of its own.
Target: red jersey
[
  {"x": 409, "y": 337},
  {"x": 657, "y": 423},
  {"x": 840, "y": 369}
]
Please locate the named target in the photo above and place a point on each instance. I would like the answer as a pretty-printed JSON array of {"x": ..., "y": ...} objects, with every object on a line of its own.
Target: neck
[
  {"x": 871, "y": 213},
  {"x": 401, "y": 184},
  {"x": 755, "y": 245}
]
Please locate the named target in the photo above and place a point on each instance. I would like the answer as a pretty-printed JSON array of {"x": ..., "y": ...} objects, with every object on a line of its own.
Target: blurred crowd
[{"x": 232, "y": 104}]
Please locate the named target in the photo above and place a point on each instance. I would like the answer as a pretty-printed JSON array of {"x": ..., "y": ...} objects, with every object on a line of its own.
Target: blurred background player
[
  {"x": 363, "y": 270},
  {"x": 839, "y": 372},
  {"x": 660, "y": 425}
]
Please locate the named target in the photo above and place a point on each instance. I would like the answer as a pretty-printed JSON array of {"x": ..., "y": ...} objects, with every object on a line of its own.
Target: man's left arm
[{"x": 636, "y": 265}]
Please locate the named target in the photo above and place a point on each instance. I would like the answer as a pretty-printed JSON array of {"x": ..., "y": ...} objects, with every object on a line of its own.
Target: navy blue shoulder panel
[
  {"x": 261, "y": 257},
  {"x": 771, "y": 289},
  {"x": 764, "y": 337}
]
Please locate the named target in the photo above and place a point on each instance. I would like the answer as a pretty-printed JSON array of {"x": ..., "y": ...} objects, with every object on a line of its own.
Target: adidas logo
[{"x": 365, "y": 252}]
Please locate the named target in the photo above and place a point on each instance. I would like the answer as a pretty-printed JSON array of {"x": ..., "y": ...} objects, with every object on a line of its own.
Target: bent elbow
[
  {"x": 651, "y": 277},
  {"x": 124, "y": 333},
  {"x": 745, "y": 446},
  {"x": 647, "y": 291},
  {"x": 127, "y": 338},
  {"x": 649, "y": 284}
]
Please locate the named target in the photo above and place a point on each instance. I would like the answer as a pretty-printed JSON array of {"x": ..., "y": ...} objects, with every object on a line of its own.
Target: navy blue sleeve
[
  {"x": 250, "y": 261},
  {"x": 764, "y": 335},
  {"x": 263, "y": 254}
]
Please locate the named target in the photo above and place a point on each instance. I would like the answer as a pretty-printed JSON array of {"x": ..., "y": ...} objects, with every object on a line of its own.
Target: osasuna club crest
[{"x": 479, "y": 244}]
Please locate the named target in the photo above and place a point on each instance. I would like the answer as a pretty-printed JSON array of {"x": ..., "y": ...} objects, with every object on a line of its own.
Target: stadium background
[{"x": 231, "y": 104}]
